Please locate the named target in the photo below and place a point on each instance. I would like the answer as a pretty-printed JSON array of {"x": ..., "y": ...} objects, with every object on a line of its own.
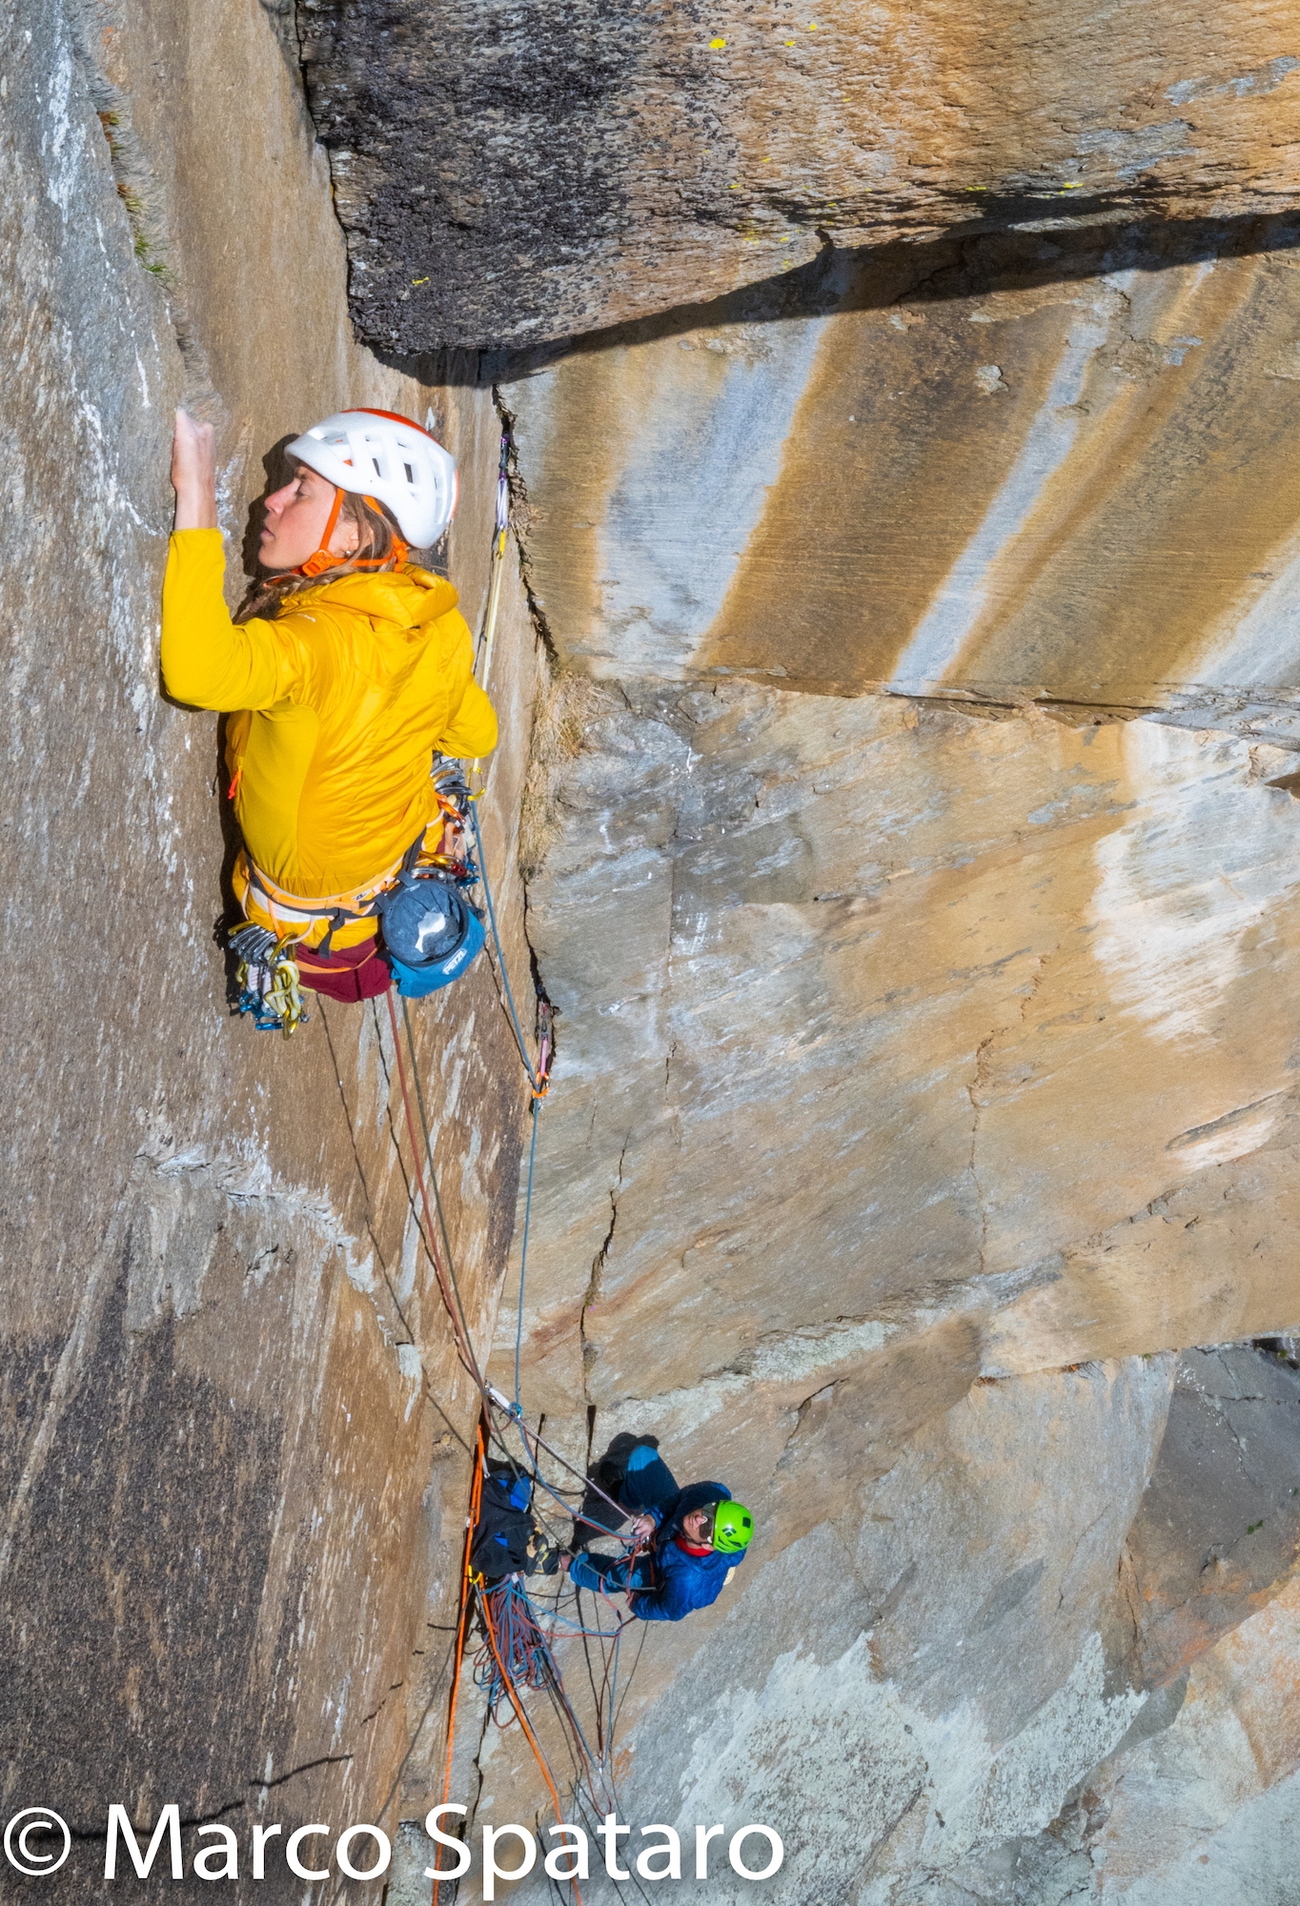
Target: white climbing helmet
[{"x": 377, "y": 453}]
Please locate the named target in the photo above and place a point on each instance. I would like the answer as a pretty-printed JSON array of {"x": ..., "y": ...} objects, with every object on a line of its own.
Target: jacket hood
[
  {"x": 408, "y": 597},
  {"x": 696, "y": 1495}
]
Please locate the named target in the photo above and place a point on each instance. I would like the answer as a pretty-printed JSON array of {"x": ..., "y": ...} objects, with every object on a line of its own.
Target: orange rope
[
  {"x": 523, "y": 1722},
  {"x": 475, "y": 1496},
  {"x": 471, "y": 1363}
]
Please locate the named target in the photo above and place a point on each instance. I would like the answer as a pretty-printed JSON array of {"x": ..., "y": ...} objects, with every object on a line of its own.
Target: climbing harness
[{"x": 430, "y": 930}]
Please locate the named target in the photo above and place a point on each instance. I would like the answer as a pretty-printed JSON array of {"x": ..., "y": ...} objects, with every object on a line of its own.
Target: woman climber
[
  {"x": 694, "y": 1538},
  {"x": 347, "y": 673}
]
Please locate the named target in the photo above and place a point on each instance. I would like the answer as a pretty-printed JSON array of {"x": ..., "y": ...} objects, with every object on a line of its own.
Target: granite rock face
[
  {"x": 1023, "y": 468},
  {"x": 524, "y": 170},
  {"x": 232, "y": 1427},
  {"x": 910, "y": 842},
  {"x": 905, "y": 798}
]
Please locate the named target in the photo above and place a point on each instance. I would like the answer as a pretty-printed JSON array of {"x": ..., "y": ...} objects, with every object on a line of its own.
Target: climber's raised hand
[{"x": 194, "y": 473}]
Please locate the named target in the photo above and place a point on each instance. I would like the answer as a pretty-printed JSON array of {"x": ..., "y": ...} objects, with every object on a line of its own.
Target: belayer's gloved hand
[{"x": 543, "y": 1556}]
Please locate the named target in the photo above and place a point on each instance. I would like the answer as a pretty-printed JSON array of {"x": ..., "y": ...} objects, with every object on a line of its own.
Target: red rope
[
  {"x": 523, "y": 1722},
  {"x": 430, "y": 1234}
]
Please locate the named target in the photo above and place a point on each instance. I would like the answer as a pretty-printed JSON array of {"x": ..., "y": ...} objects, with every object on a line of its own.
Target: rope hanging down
[
  {"x": 483, "y": 660},
  {"x": 516, "y": 1653}
]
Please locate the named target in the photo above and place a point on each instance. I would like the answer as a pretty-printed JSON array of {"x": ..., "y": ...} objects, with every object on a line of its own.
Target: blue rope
[
  {"x": 552, "y": 1613},
  {"x": 501, "y": 958},
  {"x": 534, "y": 1612},
  {"x": 525, "y": 1656},
  {"x": 523, "y": 1254}
]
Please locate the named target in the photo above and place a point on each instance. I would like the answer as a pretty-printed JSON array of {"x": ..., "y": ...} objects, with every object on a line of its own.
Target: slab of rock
[
  {"x": 1022, "y": 472},
  {"x": 528, "y": 170},
  {"x": 890, "y": 963}
]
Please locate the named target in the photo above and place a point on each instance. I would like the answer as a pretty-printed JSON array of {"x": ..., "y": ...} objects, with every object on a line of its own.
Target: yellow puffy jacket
[{"x": 336, "y": 707}]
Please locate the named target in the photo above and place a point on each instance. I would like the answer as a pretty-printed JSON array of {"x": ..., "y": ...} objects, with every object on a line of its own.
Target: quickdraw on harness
[
  {"x": 270, "y": 985},
  {"x": 430, "y": 930}
]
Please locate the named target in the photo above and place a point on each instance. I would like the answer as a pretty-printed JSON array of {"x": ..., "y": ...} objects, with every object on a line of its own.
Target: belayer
[
  {"x": 347, "y": 675},
  {"x": 694, "y": 1538}
]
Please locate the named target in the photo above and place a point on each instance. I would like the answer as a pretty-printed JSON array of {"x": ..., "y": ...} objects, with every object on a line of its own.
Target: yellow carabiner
[{"x": 284, "y": 996}]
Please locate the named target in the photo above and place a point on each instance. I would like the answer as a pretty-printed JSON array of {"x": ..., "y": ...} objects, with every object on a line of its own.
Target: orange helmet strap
[
  {"x": 323, "y": 559},
  {"x": 397, "y": 554}
]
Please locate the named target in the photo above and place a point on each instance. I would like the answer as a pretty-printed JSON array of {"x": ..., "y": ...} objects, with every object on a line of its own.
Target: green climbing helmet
[{"x": 733, "y": 1527}]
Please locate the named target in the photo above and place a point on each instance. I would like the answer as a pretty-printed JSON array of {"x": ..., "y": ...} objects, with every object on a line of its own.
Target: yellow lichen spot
[
  {"x": 789, "y": 42},
  {"x": 733, "y": 188},
  {"x": 717, "y": 45},
  {"x": 812, "y": 26},
  {"x": 419, "y": 281},
  {"x": 1073, "y": 185},
  {"x": 768, "y": 159}
]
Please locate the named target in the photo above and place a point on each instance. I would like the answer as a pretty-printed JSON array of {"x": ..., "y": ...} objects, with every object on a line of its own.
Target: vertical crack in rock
[
  {"x": 519, "y": 516},
  {"x": 593, "y": 1291},
  {"x": 979, "y": 1084},
  {"x": 972, "y": 1090},
  {"x": 143, "y": 199},
  {"x": 475, "y": 1794},
  {"x": 1065, "y": 1572}
]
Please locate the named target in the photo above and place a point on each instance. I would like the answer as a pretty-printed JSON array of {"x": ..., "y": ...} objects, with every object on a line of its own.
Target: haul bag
[{"x": 505, "y": 1525}]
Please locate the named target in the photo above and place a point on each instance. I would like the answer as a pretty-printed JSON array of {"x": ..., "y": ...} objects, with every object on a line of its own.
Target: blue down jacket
[{"x": 666, "y": 1583}]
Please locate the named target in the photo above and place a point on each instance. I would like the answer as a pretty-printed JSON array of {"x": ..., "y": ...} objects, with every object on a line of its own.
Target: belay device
[{"x": 429, "y": 930}]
